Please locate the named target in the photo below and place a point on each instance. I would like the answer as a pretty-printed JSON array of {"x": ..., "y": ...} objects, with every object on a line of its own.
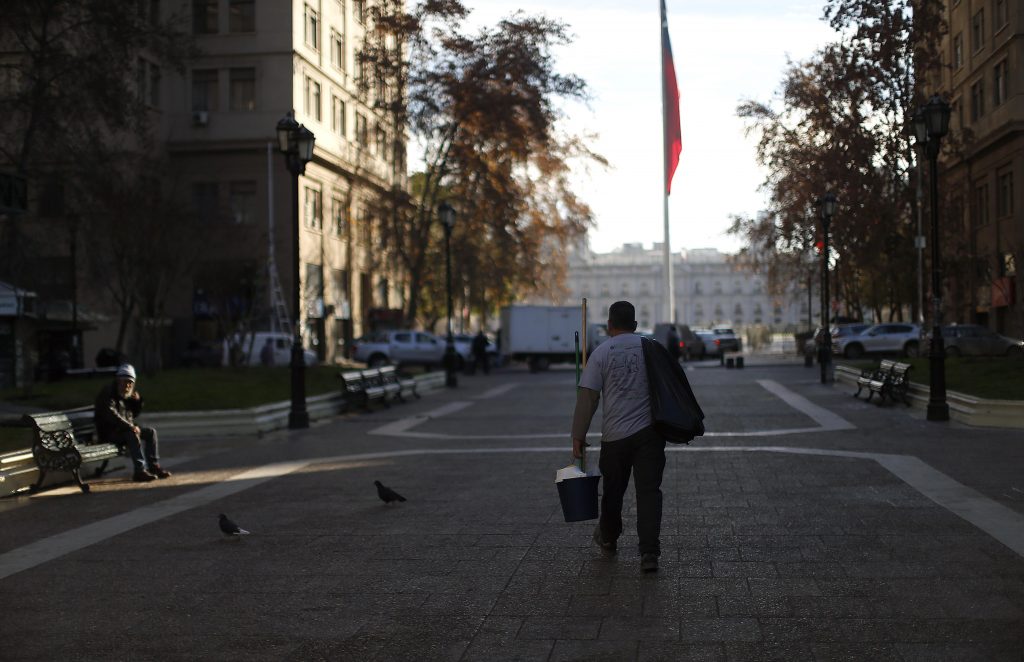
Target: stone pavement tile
[
  {"x": 546, "y": 605},
  {"x": 642, "y": 628},
  {"x": 759, "y": 652},
  {"x": 953, "y": 653},
  {"x": 743, "y": 569},
  {"x": 606, "y": 605},
  {"x": 458, "y": 603},
  {"x": 713, "y": 586},
  {"x": 836, "y": 606},
  {"x": 458, "y": 584},
  {"x": 671, "y": 651},
  {"x": 560, "y": 627},
  {"x": 486, "y": 649},
  {"x": 816, "y": 569},
  {"x": 687, "y": 606},
  {"x": 857, "y": 652},
  {"x": 784, "y": 586},
  {"x": 719, "y": 629},
  {"x": 594, "y": 651},
  {"x": 865, "y": 629},
  {"x": 958, "y": 631},
  {"x": 787, "y": 630},
  {"x": 417, "y": 647},
  {"x": 756, "y": 605}
]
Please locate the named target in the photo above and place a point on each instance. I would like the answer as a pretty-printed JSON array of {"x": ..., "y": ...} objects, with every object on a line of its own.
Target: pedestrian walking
[
  {"x": 117, "y": 406},
  {"x": 479, "y": 349},
  {"x": 617, "y": 376}
]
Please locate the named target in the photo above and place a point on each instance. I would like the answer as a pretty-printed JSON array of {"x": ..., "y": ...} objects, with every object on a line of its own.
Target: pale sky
[{"x": 725, "y": 51}]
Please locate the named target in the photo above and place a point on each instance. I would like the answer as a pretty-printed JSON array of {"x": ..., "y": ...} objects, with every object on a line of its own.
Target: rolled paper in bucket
[{"x": 579, "y": 498}]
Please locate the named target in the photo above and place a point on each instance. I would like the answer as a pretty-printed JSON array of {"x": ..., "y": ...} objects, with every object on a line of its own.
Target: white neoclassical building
[{"x": 710, "y": 290}]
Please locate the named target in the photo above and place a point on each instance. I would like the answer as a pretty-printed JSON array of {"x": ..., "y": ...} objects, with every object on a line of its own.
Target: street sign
[{"x": 13, "y": 193}]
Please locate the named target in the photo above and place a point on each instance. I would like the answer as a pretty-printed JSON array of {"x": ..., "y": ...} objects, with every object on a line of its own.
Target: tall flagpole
[{"x": 670, "y": 308}]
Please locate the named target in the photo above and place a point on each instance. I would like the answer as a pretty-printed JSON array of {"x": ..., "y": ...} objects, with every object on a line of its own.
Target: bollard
[
  {"x": 739, "y": 362},
  {"x": 721, "y": 359},
  {"x": 730, "y": 363}
]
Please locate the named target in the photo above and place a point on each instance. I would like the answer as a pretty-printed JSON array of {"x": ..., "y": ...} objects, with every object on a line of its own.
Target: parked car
[
  {"x": 250, "y": 346},
  {"x": 838, "y": 331},
  {"x": 730, "y": 342},
  {"x": 690, "y": 346},
  {"x": 892, "y": 338},
  {"x": 400, "y": 347},
  {"x": 464, "y": 348},
  {"x": 977, "y": 340},
  {"x": 712, "y": 342}
]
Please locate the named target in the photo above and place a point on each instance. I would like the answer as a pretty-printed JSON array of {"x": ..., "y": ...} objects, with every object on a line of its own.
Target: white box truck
[{"x": 542, "y": 335}]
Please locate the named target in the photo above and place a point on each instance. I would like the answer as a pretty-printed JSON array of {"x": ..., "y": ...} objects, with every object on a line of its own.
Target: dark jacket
[
  {"x": 114, "y": 415},
  {"x": 479, "y": 345}
]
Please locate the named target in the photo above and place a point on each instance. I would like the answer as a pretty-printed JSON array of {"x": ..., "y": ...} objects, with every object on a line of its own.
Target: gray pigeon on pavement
[
  {"x": 386, "y": 494},
  {"x": 230, "y": 528}
]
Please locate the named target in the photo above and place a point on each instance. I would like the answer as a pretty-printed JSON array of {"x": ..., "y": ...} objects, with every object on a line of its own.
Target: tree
[
  {"x": 842, "y": 127},
  {"x": 484, "y": 108}
]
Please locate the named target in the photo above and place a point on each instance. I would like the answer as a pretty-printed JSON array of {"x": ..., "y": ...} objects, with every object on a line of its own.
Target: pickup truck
[{"x": 401, "y": 347}]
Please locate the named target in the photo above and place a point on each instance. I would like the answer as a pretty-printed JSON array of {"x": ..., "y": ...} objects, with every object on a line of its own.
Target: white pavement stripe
[
  {"x": 496, "y": 391},
  {"x": 399, "y": 428},
  {"x": 1001, "y": 523},
  {"x": 58, "y": 545},
  {"x": 823, "y": 417}
]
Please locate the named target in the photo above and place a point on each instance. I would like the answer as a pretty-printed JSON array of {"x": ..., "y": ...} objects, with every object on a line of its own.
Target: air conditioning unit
[{"x": 200, "y": 117}]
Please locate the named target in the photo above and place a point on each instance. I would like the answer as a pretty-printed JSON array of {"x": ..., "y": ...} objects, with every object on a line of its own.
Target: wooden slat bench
[
  {"x": 868, "y": 376},
  {"x": 357, "y": 391},
  {"x": 406, "y": 385},
  {"x": 895, "y": 385},
  {"x": 61, "y": 445},
  {"x": 373, "y": 386}
]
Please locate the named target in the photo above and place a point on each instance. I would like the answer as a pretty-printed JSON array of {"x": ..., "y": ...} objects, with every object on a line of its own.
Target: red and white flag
[{"x": 670, "y": 98}]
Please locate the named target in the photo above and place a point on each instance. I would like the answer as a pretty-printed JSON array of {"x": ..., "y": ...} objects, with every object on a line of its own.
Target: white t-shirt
[{"x": 616, "y": 370}]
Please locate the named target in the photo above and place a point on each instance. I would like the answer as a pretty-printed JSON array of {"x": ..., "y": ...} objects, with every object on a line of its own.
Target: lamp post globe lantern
[
  {"x": 828, "y": 204},
  {"x": 296, "y": 142},
  {"x": 446, "y": 213},
  {"x": 936, "y": 114}
]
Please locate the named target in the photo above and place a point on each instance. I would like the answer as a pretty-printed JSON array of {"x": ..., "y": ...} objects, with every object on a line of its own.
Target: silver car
[
  {"x": 976, "y": 340},
  {"x": 892, "y": 338}
]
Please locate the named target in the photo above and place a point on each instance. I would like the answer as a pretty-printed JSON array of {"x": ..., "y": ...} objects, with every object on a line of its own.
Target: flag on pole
[{"x": 670, "y": 98}]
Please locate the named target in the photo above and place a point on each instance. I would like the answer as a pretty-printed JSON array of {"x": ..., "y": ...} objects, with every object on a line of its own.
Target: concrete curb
[{"x": 962, "y": 407}]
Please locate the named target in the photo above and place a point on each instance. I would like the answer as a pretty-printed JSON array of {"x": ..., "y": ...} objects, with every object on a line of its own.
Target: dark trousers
[
  {"x": 135, "y": 447},
  {"x": 480, "y": 359},
  {"x": 643, "y": 454}
]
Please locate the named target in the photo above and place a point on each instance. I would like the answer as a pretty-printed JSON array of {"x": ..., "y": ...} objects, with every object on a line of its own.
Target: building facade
[
  {"x": 710, "y": 290},
  {"x": 982, "y": 173}
]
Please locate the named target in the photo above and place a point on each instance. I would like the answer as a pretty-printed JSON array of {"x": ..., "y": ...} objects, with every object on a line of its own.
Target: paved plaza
[{"x": 806, "y": 525}]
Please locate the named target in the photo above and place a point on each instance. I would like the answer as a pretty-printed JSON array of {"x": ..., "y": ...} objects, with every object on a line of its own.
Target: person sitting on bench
[{"x": 117, "y": 405}]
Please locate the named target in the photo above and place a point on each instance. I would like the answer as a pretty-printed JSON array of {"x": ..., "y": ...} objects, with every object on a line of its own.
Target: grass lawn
[
  {"x": 996, "y": 378},
  {"x": 185, "y": 389}
]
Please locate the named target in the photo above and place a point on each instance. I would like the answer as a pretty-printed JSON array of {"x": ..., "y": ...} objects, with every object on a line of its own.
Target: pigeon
[
  {"x": 230, "y": 528},
  {"x": 386, "y": 494}
]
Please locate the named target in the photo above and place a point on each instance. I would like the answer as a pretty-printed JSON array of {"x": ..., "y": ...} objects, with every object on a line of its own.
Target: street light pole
[
  {"x": 936, "y": 117},
  {"x": 828, "y": 208},
  {"x": 447, "y": 215},
  {"x": 295, "y": 141}
]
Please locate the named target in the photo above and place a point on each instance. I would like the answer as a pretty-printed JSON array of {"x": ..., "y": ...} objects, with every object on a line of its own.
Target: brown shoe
[
  {"x": 143, "y": 476},
  {"x": 159, "y": 471}
]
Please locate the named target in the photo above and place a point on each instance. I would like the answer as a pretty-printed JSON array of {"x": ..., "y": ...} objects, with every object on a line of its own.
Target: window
[
  {"x": 243, "y": 89},
  {"x": 313, "y": 209},
  {"x": 339, "y": 279},
  {"x": 204, "y": 89},
  {"x": 337, "y": 51},
  {"x": 204, "y": 16},
  {"x": 362, "y": 133},
  {"x": 242, "y": 198},
  {"x": 1004, "y": 193},
  {"x": 204, "y": 200},
  {"x": 977, "y": 100},
  {"x": 380, "y": 141},
  {"x": 338, "y": 116},
  {"x": 311, "y": 98},
  {"x": 337, "y": 217},
  {"x": 979, "y": 211},
  {"x": 360, "y": 72},
  {"x": 359, "y": 11},
  {"x": 958, "y": 50},
  {"x": 149, "y": 11},
  {"x": 311, "y": 28},
  {"x": 999, "y": 83},
  {"x": 1000, "y": 16},
  {"x": 242, "y": 16},
  {"x": 154, "y": 85},
  {"x": 978, "y": 31},
  {"x": 147, "y": 82}
]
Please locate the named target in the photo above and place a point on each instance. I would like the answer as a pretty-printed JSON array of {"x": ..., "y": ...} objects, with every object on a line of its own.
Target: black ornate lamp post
[
  {"x": 936, "y": 122},
  {"x": 447, "y": 215},
  {"x": 828, "y": 210},
  {"x": 296, "y": 142}
]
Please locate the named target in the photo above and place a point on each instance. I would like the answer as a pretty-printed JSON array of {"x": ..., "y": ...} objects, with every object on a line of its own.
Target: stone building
[{"x": 709, "y": 289}]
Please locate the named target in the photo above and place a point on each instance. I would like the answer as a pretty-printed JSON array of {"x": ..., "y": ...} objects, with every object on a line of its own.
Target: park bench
[
  {"x": 388, "y": 380},
  {"x": 358, "y": 391},
  {"x": 374, "y": 387},
  {"x": 895, "y": 385},
  {"x": 66, "y": 440},
  {"x": 389, "y": 374},
  {"x": 868, "y": 376}
]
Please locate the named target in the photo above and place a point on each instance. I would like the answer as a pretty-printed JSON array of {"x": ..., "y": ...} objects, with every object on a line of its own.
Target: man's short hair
[{"x": 622, "y": 315}]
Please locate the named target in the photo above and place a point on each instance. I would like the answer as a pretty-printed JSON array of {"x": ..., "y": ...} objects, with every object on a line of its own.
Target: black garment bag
[{"x": 674, "y": 409}]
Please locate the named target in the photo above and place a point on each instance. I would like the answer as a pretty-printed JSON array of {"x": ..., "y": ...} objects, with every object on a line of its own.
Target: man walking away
[
  {"x": 479, "y": 348},
  {"x": 117, "y": 405},
  {"x": 629, "y": 443}
]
